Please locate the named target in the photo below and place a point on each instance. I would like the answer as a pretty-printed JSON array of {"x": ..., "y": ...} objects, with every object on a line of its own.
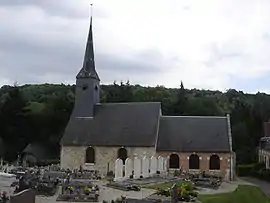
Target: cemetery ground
[
  {"x": 198, "y": 187},
  {"x": 229, "y": 192}
]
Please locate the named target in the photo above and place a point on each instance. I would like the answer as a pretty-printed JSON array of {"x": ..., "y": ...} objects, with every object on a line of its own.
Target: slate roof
[
  {"x": 88, "y": 70},
  {"x": 193, "y": 134},
  {"x": 265, "y": 143},
  {"x": 39, "y": 150},
  {"x": 116, "y": 124}
]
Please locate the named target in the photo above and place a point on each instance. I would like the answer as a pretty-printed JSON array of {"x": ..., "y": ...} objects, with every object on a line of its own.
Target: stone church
[{"x": 99, "y": 133}]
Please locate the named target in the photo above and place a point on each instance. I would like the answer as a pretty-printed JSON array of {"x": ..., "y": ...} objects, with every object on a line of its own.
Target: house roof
[
  {"x": 193, "y": 134},
  {"x": 116, "y": 124},
  {"x": 39, "y": 150}
]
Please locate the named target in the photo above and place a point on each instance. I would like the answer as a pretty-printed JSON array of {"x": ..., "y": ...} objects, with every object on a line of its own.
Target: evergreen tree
[
  {"x": 181, "y": 101},
  {"x": 12, "y": 120}
]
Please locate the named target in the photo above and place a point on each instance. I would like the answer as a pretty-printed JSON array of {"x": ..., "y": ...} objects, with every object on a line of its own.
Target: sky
[{"x": 210, "y": 44}]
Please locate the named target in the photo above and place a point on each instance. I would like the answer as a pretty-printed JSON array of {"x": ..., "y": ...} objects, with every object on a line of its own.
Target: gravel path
[
  {"x": 106, "y": 193},
  {"x": 225, "y": 187}
]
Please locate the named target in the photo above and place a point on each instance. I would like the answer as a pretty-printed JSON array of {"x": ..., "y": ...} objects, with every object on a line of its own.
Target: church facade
[{"x": 99, "y": 133}]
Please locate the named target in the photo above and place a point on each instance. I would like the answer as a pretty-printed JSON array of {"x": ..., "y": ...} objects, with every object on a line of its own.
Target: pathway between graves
[
  {"x": 225, "y": 187},
  {"x": 263, "y": 185}
]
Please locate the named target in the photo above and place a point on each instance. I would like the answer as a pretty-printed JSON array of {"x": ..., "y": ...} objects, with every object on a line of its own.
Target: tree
[
  {"x": 181, "y": 101},
  {"x": 12, "y": 120}
]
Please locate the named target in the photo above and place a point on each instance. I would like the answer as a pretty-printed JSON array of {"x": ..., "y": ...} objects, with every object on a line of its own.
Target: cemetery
[
  {"x": 81, "y": 185},
  {"x": 79, "y": 191}
]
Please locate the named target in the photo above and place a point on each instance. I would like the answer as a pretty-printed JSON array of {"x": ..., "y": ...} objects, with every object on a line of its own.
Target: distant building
[
  {"x": 264, "y": 146},
  {"x": 99, "y": 133}
]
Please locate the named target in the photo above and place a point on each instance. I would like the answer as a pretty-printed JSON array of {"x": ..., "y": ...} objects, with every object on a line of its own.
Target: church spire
[{"x": 88, "y": 70}]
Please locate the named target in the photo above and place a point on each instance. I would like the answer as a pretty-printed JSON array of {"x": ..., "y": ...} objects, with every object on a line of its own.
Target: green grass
[{"x": 243, "y": 194}]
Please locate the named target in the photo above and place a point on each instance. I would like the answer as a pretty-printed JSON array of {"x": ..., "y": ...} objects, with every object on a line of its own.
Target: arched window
[
  {"x": 122, "y": 154},
  {"x": 174, "y": 161},
  {"x": 194, "y": 161},
  {"x": 214, "y": 162},
  {"x": 90, "y": 155}
]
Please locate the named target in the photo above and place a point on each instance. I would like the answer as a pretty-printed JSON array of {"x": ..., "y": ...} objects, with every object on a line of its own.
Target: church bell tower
[{"x": 87, "y": 82}]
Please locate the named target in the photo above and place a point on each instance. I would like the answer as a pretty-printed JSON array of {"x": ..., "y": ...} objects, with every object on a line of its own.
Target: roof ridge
[{"x": 194, "y": 116}]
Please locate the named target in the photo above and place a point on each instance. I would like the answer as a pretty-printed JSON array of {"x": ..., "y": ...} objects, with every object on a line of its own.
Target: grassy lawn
[{"x": 243, "y": 194}]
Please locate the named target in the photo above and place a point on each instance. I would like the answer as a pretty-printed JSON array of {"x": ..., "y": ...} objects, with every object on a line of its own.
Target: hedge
[
  {"x": 257, "y": 170},
  {"x": 244, "y": 170}
]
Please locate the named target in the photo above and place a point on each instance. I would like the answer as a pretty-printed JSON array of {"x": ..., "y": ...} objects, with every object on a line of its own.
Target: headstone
[
  {"x": 153, "y": 165},
  {"x": 118, "y": 170},
  {"x": 145, "y": 167},
  {"x": 137, "y": 167},
  {"x": 165, "y": 164},
  {"x": 160, "y": 164},
  {"x": 227, "y": 175},
  {"x": 128, "y": 168},
  {"x": 174, "y": 194}
]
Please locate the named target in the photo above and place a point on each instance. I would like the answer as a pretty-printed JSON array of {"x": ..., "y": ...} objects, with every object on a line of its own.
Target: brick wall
[
  {"x": 204, "y": 161},
  {"x": 26, "y": 196}
]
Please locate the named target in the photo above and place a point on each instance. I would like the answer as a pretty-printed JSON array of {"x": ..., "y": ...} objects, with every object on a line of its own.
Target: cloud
[{"x": 208, "y": 44}]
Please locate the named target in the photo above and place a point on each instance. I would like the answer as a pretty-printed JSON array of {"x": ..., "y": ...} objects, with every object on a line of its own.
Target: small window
[
  {"x": 96, "y": 87},
  {"x": 122, "y": 154},
  {"x": 90, "y": 155},
  {"x": 214, "y": 162},
  {"x": 194, "y": 161},
  {"x": 84, "y": 87}
]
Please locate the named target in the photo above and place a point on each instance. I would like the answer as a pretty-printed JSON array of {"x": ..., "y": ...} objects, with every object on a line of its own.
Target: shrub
[{"x": 244, "y": 170}]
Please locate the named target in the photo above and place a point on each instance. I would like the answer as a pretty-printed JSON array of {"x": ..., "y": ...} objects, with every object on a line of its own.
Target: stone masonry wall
[
  {"x": 204, "y": 160},
  {"x": 74, "y": 157}
]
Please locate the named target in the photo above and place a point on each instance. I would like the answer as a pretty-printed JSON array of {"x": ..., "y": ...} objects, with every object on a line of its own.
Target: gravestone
[
  {"x": 137, "y": 167},
  {"x": 153, "y": 165},
  {"x": 128, "y": 168},
  {"x": 174, "y": 194},
  {"x": 165, "y": 164},
  {"x": 145, "y": 167},
  {"x": 118, "y": 170},
  {"x": 160, "y": 164}
]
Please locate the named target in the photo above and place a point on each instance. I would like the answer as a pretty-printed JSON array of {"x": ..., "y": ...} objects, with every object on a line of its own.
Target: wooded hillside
[{"x": 32, "y": 113}]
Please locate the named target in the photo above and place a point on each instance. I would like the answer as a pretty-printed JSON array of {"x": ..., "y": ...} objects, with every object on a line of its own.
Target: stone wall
[
  {"x": 26, "y": 196},
  {"x": 74, "y": 157},
  {"x": 204, "y": 161}
]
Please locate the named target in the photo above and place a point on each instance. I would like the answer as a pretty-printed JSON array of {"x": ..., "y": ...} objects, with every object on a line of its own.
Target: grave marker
[
  {"x": 153, "y": 165},
  {"x": 118, "y": 170}
]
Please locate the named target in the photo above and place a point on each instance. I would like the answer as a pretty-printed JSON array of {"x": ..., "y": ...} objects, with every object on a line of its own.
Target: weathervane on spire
[{"x": 91, "y": 10}]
